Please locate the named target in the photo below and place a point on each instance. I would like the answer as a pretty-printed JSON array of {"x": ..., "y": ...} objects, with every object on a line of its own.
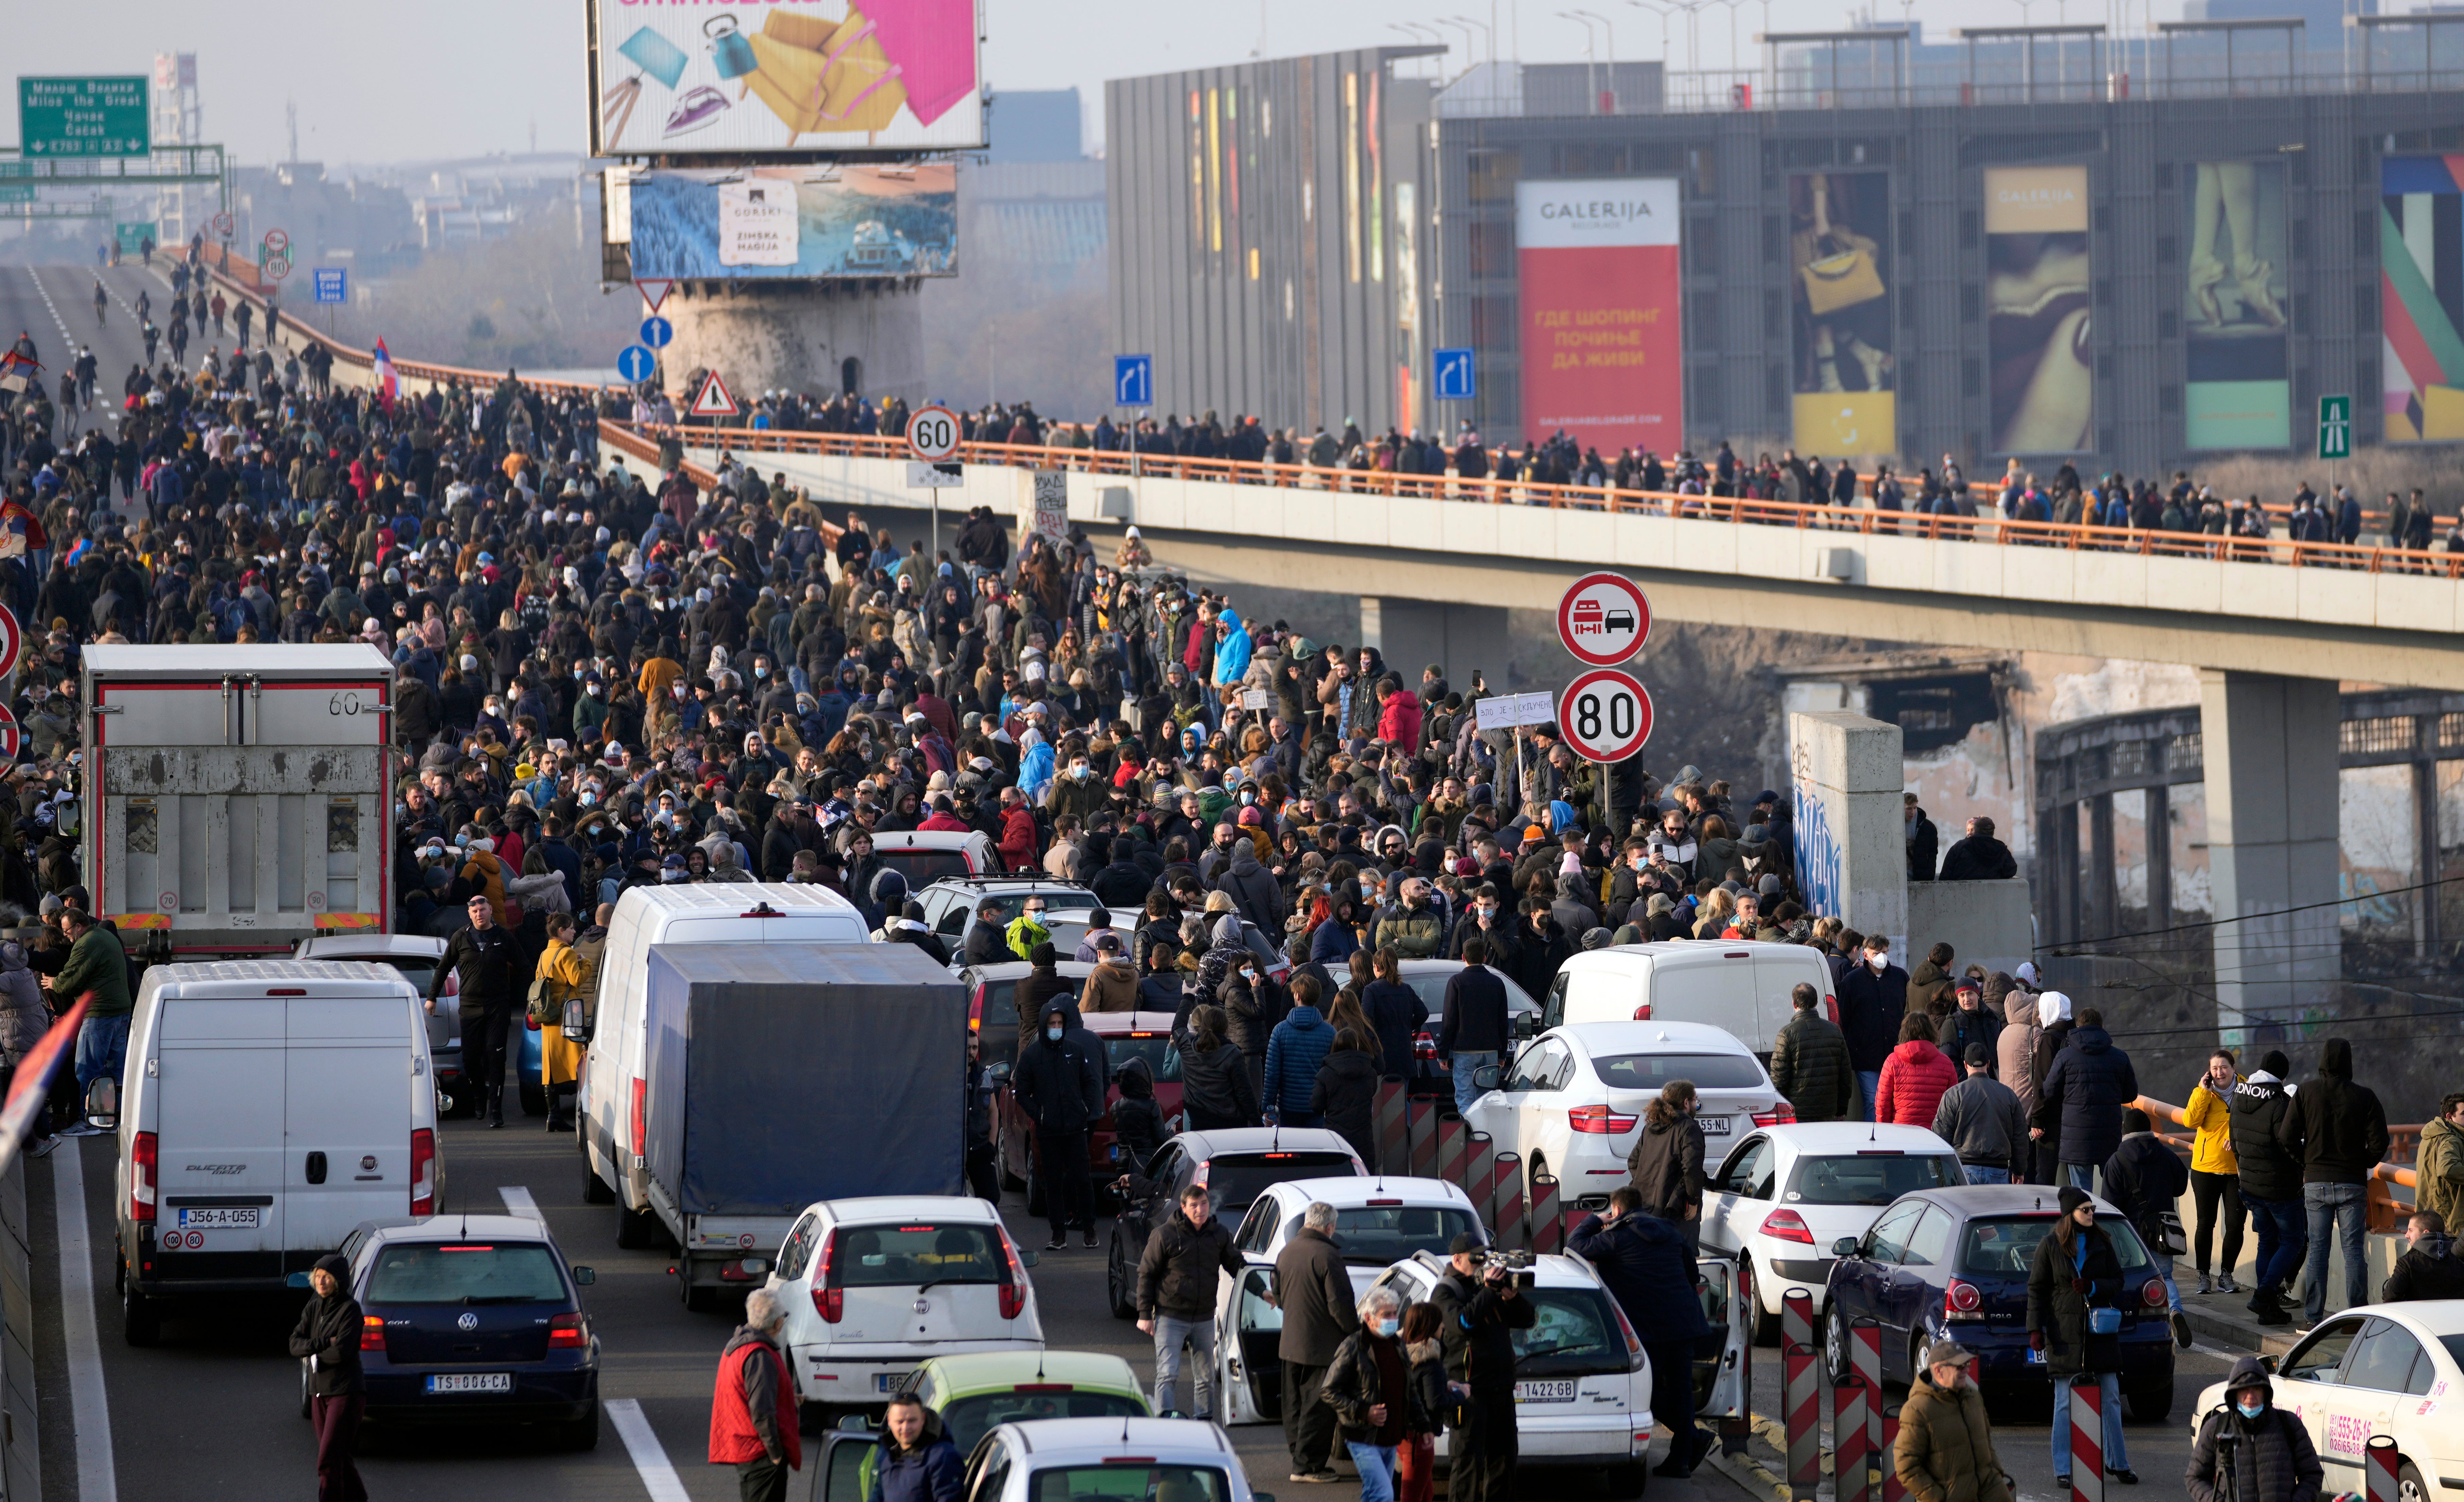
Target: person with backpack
[
  {"x": 2270, "y": 1174},
  {"x": 2143, "y": 1180},
  {"x": 2271, "y": 1456}
]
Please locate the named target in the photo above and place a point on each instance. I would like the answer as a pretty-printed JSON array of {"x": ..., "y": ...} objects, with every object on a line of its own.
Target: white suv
[{"x": 873, "y": 1286}]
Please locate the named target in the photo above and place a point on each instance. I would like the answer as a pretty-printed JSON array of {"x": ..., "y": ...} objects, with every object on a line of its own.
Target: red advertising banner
[{"x": 1602, "y": 336}]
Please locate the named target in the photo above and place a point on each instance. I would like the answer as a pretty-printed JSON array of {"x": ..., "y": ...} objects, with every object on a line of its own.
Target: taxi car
[{"x": 2392, "y": 1369}]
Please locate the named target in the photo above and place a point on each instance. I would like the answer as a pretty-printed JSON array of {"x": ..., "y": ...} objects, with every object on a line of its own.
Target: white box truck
[{"x": 237, "y": 799}]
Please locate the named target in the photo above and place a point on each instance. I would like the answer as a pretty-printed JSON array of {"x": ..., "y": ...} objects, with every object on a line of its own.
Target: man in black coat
[
  {"x": 1979, "y": 857},
  {"x": 2270, "y": 1176},
  {"x": 2343, "y": 1132},
  {"x": 2429, "y": 1267},
  {"x": 2144, "y": 1179},
  {"x": 1314, "y": 1288},
  {"x": 486, "y": 961},
  {"x": 1058, "y": 1086},
  {"x": 1647, "y": 1268},
  {"x": 1123, "y": 885},
  {"x": 1479, "y": 1312},
  {"x": 1921, "y": 838},
  {"x": 328, "y": 1335},
  {"x": 1873, "y": 997},
  {"x": 1473, "y": 1029},
  {"x": 1176, "y": 1297}
]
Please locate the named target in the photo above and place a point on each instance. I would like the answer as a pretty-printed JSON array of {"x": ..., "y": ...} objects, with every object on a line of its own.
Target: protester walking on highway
[
  {"x": 2014, "y": 1053},
  {"x": 1299, "y": 1044},
  {"x": 1944, "y": 1451},
  {"x": 1810, "y": 1062},
  {"x": 1369, "y": 1388},
  {"x": 1397, "y": 1013},
  {"x": 1649, "y": 1268},
  {"x": 484, "y": 962},
  {"x": 2429, "y": 1267},
  {"x": 563, "y": 974},
  {"x": 1472, "y": 1026},
  {"x": 1215, "y": 1090},
  {"x": 2074, "y": 1297},
  {"x": 1058, "y": 1086},
  {"x": 1478, "y": 1309},
  {"x": 1667, "y": 1160},
  {"x": 1914, "y": 1077},
  {"x": 2270, "y": 1173},
  {"x": 1433, "y": 1399},
  {"x": 1345, "y": 1095},
  {"x": 2083, "y": 1094},
  {"x": 2215, "y": 1182},
  {"x": 916, "y": 1462},
  {"x": 2439, "y": 1166},
  {"x": 1176, "y": 1297},
  {"x": 2143, "y": 1180},
  {"x": 1873, "y": 998},
  {"x": 1315, "y": 1292},
  {"x": 2270, "y": 1457},
  {"x": 96, "y": 963},
  {"x": 753, "y": 1405},
  {"x": 2341, "y": 1132},
  {"x": 327, "y": 1337},
  {"x": 1981, "y": 1118},
  {"x": 1970, "y": 1022}
]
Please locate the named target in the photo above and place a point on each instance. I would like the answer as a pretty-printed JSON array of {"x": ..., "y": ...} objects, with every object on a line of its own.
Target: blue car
[
  {"x": 1952, "y": 1264},
  {"x": 474, "y": 1319}
]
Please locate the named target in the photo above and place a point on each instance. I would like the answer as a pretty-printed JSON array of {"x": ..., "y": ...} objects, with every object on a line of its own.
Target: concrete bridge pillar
[
  {"x": 2270, "y": 747},
  {"x": 818, "y": 337},
  {"x": 1414, "y": 633}
]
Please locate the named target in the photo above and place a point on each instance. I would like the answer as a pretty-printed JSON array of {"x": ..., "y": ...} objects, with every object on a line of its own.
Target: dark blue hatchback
[
  {"x": 474, "y": 1319},
  {"x": 1952, "y": 1264}
]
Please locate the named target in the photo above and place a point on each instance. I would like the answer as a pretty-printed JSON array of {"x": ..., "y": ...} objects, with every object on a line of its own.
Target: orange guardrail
[{"x": 2383, "y": 1208}]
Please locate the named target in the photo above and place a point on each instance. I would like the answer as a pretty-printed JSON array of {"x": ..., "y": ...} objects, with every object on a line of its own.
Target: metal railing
[{"x": 2385, "y": 1208}]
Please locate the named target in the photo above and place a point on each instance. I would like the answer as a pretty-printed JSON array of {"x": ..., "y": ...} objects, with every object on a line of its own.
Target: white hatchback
[
  {"x": 1786, "y": 1193},
  {"x": 2392, "y": 1369},
  {"x": 1571, "y": 1102},
  {"x": 873, "y": 1286}
]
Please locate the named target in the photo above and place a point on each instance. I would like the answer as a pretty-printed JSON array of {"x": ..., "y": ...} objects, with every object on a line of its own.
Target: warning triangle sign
[
  {"x": 712, "y": 400},
  {"x": 654, "y": 290}
]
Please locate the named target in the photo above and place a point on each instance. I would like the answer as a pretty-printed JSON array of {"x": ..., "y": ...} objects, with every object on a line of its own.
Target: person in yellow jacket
[
  {"x": 563, "y": 974},
  {"x": 2215, "y": 1172}
]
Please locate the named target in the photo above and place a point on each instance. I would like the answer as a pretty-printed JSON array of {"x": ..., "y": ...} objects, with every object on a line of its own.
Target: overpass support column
[
  {"x": 2271, "y": 756},
  {"x": 1412, "y": 633}
]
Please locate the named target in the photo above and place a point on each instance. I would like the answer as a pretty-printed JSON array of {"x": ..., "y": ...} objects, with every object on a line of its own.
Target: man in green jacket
[
  {"x": 96, "y": 963},
  {"x": 1810, "y": 1063},
  {"x": 2442, "y": 1162}
]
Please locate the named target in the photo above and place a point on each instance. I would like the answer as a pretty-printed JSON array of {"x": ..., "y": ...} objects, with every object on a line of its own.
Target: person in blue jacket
[
  {"x": 1642, "y": 1261},
  {"x": 916, "y": 1462},
  {"x": 1299, "y": 1044}
]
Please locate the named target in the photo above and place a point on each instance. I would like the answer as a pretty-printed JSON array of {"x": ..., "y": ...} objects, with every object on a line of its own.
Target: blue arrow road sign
[
  {"x": 636, "y": 364},
  {"x": 333, "y": 284},
  {"x": 1134, "y": 380},
  {"x": 657, "y": 331},
  {"x": 1456, "y": 380}
]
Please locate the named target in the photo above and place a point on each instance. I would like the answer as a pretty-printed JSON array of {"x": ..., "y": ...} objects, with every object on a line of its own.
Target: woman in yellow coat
[
  {"x": 2215, "y": 1174},
  {"x": 563, "y": 973}
]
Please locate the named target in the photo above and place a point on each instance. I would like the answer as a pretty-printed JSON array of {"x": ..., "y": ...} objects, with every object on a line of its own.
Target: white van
[
  {"x": 1738, "y": 984},
  {"x": 614, "y": 1076},
  {"x": 270, "y": 1107}
]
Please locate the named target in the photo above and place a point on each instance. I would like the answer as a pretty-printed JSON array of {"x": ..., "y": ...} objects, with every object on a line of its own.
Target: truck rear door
[
  {"x": 347, "y": 1118},
  {"x": 218, "y": 1125}
]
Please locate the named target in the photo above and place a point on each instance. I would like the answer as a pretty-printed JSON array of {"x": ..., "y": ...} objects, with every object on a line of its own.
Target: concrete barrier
[{"x": 21, "y": 1461}]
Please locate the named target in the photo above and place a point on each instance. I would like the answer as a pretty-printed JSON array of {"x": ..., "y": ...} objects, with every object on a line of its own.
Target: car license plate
[
  {"x": 471, "y": 1382},
  {"x": 888, "y": 1381},
  {"x": 2035, "y": 1358},
  {"x": 220, "y": 1218},
  {"x": 1714, "y": 1126},
  {"x": 1544, "y": 1392}
]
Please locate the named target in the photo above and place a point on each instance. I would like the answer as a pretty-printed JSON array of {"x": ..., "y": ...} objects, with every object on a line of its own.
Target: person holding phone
[{"x": 2215, "y": 1174}]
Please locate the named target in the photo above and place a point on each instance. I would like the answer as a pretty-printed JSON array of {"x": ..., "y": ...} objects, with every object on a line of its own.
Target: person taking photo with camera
[
  {"x": 1481, "y": 1308},
  {"x": 2250, "y": 1451}
]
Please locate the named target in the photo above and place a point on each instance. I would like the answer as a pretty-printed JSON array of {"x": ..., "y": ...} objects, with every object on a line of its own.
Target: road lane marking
[
  {"x": 519, "y": 1201},
  {"x": 649, "y": 1457},
  {"x": 98, "y": 1481}
]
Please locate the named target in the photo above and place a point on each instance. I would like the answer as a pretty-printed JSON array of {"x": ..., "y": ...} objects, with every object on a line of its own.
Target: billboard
[
  {"x": 2036, "y": 283},
  {"x": 796, "y": 223},
  {"x": 1600, "y": 282},
  {"x": 2420, "y": 276},
  {"x": 813, "y": 75},
  {"x": 2240, "y": 393},
  {"x": 1838, "y": 253}
]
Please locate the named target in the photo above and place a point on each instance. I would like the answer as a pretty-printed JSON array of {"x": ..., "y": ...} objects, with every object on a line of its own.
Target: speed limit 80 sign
[
  {"x": 1604, "y": 716},
  {"x": 933, "y": 434}
]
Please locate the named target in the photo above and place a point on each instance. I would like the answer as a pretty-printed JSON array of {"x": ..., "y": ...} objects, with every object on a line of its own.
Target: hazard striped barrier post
[
  {"x": 2087, "y": 1440},
  {"x": 1420, "y": 1134},
  {"x": 1478, "y": 1179},
  {"x": 1849, "y": 1477},
  {"x": 1548, "y": 1220},
  {"x": 1506, "y": 1205},
  {"x": 2378, "y": 1468},
  {"x": 1865, "y": 1360},
  {"x": 1892, "y": 1490},
  {"x": 1801, "y": 1421},
  {"x": 1388, "y": 1132},
  {"x": 1795, "y": 1318},
  {"x": 1450, "y": 1150}
]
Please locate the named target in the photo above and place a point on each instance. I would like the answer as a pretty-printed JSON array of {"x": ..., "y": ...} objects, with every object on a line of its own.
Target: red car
[{"x": 992, "y": 1016}]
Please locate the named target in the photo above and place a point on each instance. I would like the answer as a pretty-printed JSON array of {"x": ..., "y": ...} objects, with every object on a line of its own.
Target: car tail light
[
  {"x": 1013, "y": 1286},
  {"x": 1044, "y": 1387},
  {"x": 1642, "y": 1013},
  {"x": 641, "y": 1118},
  {"x": 422, "y": 1172},
  {"x": 1787, "y": 1226},
  {"x": 453, "y": 982},
  {"x": 289, "y": 990},
  {"x": 142, "y": 1177},
  {"x": 829, "y": 1300},
  {"x": 567, "y": 1333},
  {"x": 1830, "y": 1009},
  {"x": 372, "y": 1333},
  {"x": 1423, "y": 1046},
  {"x": 1198, "y": 1180},
  {"x": 1599, "y": 1120},
  {"x": 1961, "y": 1299},
  {"x": 2153, "y": 1294},
  {"x": 1634, "y": 1353},
  {"x": 1781, "y": 1115}
]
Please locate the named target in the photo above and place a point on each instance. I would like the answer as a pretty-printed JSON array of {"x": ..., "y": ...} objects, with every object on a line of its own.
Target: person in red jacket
[
  {"x": 1018, "y": 830},
  {"x": 752, "y": 1407},
  {"x": 1915, "y": 1077}
]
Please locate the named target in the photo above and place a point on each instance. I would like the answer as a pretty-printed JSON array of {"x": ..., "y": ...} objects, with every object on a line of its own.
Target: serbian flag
[
  {"x": 387, "y": 387},
  {"x": 33, "y": 1082}
]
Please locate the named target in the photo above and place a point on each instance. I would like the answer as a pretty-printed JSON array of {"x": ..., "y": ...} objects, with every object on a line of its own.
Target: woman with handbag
[
  {"x": 563, "y": 974},
  {"x": 2075, "y": 1294}
]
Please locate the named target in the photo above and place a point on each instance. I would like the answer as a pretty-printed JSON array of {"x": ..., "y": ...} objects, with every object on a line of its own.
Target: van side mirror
[
  {"x": 584, "y": 1277},
  {"x": 2267, "y": 1363},
  {"x": 1526, "y": 1025},
  {"x": 1844, "y": 1246},
  {"x": 102, "y": 1104},
  {"x": 999, "y": 1075}
]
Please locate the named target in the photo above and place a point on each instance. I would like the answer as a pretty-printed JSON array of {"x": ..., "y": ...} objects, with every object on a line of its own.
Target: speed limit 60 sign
[
  {"x": 1604, "y": 716},
  {"x": 933, "y": 434}
]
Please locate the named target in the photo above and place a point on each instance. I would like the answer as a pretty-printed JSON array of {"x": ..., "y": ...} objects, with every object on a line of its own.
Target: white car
[
  {"x": 925, "y": 856},
  {"x": 2392, "y": 1369},
  {"x": 872, "y": 1287},
  {"x": 1066, "y": 1460},
  {"x": 1571, "y": 1102},
  {"x": 1786, "y": 1193},
  {"x": 1378, "y": 1222}
]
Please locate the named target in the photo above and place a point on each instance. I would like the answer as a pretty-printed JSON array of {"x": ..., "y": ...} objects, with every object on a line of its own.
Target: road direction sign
[
  {"x": 1457, "y": 381},
  {"x": 636, "y": 364},
  {"x": 933, "y": 434},
  {"x": 132, "y": 237},
  {"x": 657, "y": 332},
  {"x": 928, "y": 474},
  {"x": 222, "y": 225},
  {"x": 1603, "y": 619},
  {"x": 16, "y": 192},
  {"x": 2334, "y": 427},
  {"x": 655, "y": 291},
  {"x": 333, "y": 284},
  {"x": 1134, "y": 380},
  {"x": 82, "y": 116},
  {"x": 1604, "y": 716},
  {"x": 713, "y": 400}
]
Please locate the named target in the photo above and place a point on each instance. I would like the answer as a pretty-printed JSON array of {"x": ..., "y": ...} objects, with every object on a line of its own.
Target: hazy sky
[{"x": 466, "y": 78}]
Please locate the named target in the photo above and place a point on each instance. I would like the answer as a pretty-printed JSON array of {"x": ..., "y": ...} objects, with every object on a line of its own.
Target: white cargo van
[
  {"x": 270, "y": 1107},
  {"x": 1737, "y": 984},
  {"x": 615, "y": 1074}
]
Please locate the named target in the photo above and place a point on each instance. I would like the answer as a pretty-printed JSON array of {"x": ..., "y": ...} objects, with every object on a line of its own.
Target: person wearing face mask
[
  {"x": 1058, "y": 1086},
  {"x": 1873, "y": 997},
  {"x": 2074, "y": 1295},
  {"x": 2271, "y": 1457},
  {"x": 1368, "y": 1384}
]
